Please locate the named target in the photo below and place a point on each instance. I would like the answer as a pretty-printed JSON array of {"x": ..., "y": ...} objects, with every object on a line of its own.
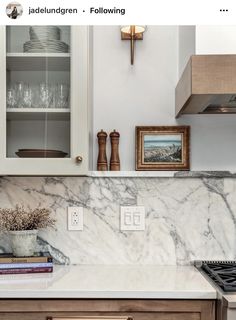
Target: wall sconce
[{"x": 132, "y": 33}]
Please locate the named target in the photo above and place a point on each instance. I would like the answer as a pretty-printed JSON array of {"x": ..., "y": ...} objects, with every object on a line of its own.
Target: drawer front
[
  {"x": 76, "y": 316},
  {"x": 93, "y": 309}
]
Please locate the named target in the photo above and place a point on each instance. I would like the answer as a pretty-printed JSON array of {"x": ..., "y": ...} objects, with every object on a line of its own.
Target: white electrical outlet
[
  {"x": 75, "y": 218},
  {"x": 132, "y": 218}
]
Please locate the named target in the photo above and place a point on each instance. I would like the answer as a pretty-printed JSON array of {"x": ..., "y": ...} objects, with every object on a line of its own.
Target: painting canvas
[{"x": 162, "y": 148}]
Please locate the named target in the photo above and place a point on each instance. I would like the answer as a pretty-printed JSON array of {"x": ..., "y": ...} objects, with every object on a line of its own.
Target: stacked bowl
[{"x": 45, "y": 39}]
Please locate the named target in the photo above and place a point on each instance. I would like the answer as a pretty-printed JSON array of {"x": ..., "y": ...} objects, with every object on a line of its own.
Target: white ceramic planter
[{"x": 23, "y": 242}]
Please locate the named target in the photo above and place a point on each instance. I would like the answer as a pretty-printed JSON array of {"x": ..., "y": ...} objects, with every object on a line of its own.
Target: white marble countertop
[{"x": 131, "y": 282}]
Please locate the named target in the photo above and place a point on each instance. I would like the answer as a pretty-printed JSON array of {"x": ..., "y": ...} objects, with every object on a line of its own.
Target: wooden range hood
[{"x": 207, "y": 86}]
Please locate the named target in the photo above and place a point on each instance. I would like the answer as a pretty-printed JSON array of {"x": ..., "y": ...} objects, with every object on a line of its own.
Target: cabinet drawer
[
  {"x": 76, "y": 316},
  {"x": 95, "y": 309}
]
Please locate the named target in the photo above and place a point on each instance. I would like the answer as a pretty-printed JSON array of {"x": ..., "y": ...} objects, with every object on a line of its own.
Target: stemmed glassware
[
  {"x": 62, "y": 95},
  {"x": 11, "y": 98},
  {"x": 19, "y": 88},
  {"x": 43, "y": 95},
  {"x": 27, "y": 97}
]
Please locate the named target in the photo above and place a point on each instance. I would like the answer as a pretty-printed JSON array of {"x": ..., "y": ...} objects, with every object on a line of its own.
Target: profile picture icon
[{"x": 14, "y": 10}]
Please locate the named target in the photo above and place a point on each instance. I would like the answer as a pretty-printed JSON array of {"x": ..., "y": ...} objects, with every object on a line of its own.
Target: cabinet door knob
[{"x": 78, "y": 159}]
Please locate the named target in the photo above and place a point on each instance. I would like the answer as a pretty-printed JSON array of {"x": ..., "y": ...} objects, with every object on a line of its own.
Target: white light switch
[{"x": 132, "y": 218}]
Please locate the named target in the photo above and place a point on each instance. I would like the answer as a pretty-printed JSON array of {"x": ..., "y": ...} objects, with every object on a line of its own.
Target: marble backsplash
[{"x": 186, "y": 219}]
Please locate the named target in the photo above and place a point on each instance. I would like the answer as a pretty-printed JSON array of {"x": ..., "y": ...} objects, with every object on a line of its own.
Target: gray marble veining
[
  {"x": 186, "y": 219},
  {"x": 205, "y": 174}
]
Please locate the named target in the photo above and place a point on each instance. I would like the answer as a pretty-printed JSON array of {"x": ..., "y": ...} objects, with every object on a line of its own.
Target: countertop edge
[{"x": 188, "y": 295}]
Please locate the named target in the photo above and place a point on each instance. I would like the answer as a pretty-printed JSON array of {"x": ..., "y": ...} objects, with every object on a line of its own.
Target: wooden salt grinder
[
  {"x": 102, "y": 157},
  {"x": 115, "y": 159}
]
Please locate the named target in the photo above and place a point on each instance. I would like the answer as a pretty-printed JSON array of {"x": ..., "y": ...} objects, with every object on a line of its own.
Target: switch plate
[
  {"x": 75, "y": 217},
  {"x": 132, "y": 218}
]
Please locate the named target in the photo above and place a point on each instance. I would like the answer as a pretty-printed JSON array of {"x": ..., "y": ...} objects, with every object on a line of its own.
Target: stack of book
[{"x": 41, "y": 263}]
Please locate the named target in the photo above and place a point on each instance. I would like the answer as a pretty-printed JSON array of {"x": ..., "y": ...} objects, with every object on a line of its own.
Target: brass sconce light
[{"x": 132, "y": 33}]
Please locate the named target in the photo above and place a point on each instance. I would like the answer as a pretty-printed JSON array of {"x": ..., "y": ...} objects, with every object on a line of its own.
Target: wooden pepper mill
[
  {"x": 102, "y": 157},
  {"x": 115, "y": 159}
]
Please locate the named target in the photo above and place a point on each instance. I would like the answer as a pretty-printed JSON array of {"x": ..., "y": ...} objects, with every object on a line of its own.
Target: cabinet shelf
[
  {"x": 162, "y": 174},
  {"x": 38, "y": 61},
  {"x": 38, "y": 114}
]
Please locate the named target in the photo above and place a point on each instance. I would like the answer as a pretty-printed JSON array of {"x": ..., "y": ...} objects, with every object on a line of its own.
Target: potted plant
[{"x": 22, "y": 226}]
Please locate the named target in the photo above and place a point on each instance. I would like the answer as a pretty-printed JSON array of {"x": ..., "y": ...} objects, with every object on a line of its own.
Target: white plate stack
[
  {"x": 43, "y": 33},
  {"x": 45, "y": 39}
]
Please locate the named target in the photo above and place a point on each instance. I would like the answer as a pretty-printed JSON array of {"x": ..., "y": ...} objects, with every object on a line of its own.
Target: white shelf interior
[
  {"x": 38, "y": 114},
  {"x": 36, "y": 128},
  {"x": 38, "y": 61},
  {"x": 17, "y": 60},
  {"x": 18, "y": 35},
  {"x": 38, "y": 134}
]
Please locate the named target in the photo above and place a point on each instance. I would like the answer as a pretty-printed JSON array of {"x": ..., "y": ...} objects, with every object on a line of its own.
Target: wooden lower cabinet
[{"x": 80, "y": 309}]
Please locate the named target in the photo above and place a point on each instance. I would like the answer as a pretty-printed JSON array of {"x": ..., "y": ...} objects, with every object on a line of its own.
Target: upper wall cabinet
[{"x": 44, "y": 100}]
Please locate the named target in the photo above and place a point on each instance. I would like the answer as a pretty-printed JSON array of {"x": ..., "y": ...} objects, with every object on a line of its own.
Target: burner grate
[{"x": 223, "y": 273}]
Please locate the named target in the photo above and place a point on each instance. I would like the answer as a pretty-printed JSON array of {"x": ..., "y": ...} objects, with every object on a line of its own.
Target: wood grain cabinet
[
  {"x": 45, "y": 99},
  {"x": 107, "y": 309}
]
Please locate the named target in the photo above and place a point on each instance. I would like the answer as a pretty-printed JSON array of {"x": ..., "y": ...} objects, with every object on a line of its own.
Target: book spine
[
  {"x": 26, "y": 270},
  {"x": 25, "y": 265},
  {"x": 26, "y": 260}
]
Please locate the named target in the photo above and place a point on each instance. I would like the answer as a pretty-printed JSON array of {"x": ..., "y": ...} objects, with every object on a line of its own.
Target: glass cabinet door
[
  {"x": 44, "y": 100},
  {"x": 38, "y": 91}
]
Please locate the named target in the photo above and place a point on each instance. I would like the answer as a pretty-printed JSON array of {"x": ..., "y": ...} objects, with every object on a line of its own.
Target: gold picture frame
[{"x": 162, "y": 148}]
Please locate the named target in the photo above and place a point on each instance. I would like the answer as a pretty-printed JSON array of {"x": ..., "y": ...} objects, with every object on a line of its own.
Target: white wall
[
  {"x": 186, "y": 46},
  {"x": 205, "y": 40},
  {"x": 215, "y": 39},
  {"x": 126, "y": 96}
]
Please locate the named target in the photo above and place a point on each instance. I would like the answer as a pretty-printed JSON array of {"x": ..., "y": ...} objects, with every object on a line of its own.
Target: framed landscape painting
[{"x": 162, "y": 148}]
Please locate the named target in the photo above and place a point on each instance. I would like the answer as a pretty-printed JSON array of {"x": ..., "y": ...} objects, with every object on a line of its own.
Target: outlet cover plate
[
  {"x": 75, "y": 217},
  {"x": 132, "y": 218}
]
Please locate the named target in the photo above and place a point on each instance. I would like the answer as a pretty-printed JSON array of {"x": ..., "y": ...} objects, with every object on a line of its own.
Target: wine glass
[
  {"x": 11, "y": 98},
  {"x": 62, "y": 95},
  {"x": 27, "y": 97},
  {"x": 19, "y": 87},
  {"x": 45, "y": 95}
]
